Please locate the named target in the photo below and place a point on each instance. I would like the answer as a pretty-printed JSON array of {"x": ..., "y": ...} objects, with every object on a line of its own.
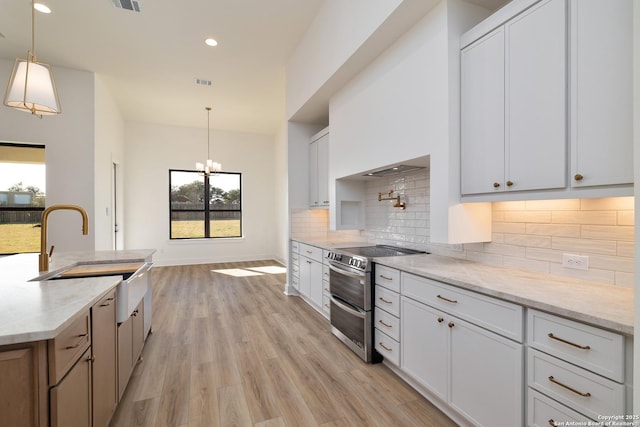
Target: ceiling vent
[
  {"x": 132, "y": 5},
  {"x": 395, "y": 170},
  {"x": 203, "y": 82}
]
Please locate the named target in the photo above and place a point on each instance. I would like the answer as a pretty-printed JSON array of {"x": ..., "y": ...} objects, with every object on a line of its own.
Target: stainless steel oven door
[
  {"x": 353, "y": 287},
  {"x": 352, "y": 326}
]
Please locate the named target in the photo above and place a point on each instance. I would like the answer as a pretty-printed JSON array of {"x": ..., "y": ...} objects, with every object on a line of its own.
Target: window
[
  {"x": 204, "y": 207},
  {"x": 22, "y": 197}
]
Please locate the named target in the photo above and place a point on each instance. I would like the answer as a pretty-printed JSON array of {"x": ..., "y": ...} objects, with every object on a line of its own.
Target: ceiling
[{"x": 150, "y": 60}]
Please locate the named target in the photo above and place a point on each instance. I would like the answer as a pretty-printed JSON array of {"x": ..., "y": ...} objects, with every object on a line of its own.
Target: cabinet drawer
[
  {"x": 295, "y": 257},
  {"x": 584, "y": 391},
  {"x": 311, "y": 252},
  {"x": 325, "y": 272},
  {"x": 388, "y": 301},
  {"x": 387, "y": 323},
  {"x": 592, "y": 348},
  {"x": 295, "y": 246},
  {"x": 387, "y": 347},
  {"x": 67, "y": 347},
  {"x": 326, "y": 304},
  {"x": 501, "y": 317},
  {"x": 387, "y": 277},
  {"x": 295, "y": 280},
  {"x": 545, "y": 412},
  {"x": 325, "y": 288}
]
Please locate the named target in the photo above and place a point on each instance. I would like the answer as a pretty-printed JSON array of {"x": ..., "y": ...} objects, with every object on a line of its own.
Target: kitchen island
[{"x": 64, "y": 357}]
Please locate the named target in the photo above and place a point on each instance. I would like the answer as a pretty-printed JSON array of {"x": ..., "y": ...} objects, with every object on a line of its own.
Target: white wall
[
  {"x": 401, "y": 108},
  {"x": 69, "y": 142},
  {"x": 281, "y": 204},
  {"x": 151, "y": 150},
  {"x": 109, "y": 148},
  {"x": 338, "y": 30}
]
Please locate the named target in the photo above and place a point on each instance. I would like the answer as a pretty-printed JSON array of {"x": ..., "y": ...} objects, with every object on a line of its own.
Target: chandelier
[{"x": 210, "y": 166}]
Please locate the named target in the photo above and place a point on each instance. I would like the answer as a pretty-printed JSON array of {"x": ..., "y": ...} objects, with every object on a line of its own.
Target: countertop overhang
[{"x": 39, "y": 310}]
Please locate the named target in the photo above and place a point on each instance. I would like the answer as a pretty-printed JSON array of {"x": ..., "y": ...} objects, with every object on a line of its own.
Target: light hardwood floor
[{"x": 235, "y": 351}]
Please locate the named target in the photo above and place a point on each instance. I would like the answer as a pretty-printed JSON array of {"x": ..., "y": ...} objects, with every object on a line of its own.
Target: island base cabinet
[
  {"x": 486, "y": 375},
  {"x": 130, "y": 343},
  {"x": 71, "y": 399},
  {"x": 23, "y": 388},
  {"x": 104, "y": 369}
]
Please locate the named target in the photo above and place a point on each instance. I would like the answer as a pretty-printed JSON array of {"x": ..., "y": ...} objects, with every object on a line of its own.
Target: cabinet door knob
[
  {"x": 496, "y": 184},
  {"x": 509, "y": 183},
  {"x": 578, "y": 177},
  {"x": 440, "y": 320},
  {"x": 451, "y": 325}
]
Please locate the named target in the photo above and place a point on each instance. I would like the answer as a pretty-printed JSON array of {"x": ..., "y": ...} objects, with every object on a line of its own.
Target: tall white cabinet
[
  {"x": 514, "y": 104},
  {"x": 602, "y": 78}
]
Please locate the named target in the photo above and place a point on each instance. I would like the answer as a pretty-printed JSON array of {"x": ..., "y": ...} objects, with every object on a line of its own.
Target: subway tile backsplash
[{"x": 528, "y": 235}]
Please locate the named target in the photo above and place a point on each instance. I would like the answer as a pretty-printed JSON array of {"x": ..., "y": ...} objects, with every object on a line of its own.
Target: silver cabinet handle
[
  {"x": 383, "y": 346},
  {"x": 384, "y": 324},
  {"x": 452, "y": 301}
]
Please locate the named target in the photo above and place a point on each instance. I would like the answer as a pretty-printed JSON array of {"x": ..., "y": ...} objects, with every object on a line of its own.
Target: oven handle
[
  {"x": 346, "y": 308},
  {"x": 346, "y": 273}
]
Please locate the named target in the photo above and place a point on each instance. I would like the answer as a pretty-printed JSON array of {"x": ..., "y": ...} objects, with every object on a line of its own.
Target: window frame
[
  {"x": 206, "y": 210},
  {"x": 29, "y": 208}
]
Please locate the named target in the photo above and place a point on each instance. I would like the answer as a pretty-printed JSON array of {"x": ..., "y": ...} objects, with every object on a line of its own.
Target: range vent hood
[{"x": 394, "y": 170}]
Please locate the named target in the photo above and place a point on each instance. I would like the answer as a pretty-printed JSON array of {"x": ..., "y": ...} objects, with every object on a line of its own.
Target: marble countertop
[
  {"x": 40, "y": 310},
  {"x": 607, "y": 306},
  {"x": 601, "y": 305}
]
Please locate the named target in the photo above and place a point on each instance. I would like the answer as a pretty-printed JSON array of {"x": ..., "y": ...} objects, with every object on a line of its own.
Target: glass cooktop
[{"x": 379, "y": 251}]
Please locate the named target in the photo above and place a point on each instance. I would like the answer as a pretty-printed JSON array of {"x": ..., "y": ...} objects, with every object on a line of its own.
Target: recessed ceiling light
[
  {"x": 41, "y": 8},
  {"x": 211, "y": 42}
]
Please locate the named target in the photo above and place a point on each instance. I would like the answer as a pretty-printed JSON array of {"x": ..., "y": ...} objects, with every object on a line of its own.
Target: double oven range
[{"x": 352, "y": 288}]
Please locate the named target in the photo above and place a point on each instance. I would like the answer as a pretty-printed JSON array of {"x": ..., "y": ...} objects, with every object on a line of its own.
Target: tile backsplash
[
  {"x": 387, "y": 225},
  {"x": 528, "y": 235},
  {"x": 533, "y": 235}
]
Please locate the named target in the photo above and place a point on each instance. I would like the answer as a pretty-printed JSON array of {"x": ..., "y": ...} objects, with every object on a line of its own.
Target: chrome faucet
[{"x": 43, "y": 260}]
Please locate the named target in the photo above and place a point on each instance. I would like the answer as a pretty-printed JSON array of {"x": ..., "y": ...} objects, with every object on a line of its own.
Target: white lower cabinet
[
  {"x": 425, "y": 344},
  {"x": 311, "y": 276},
  {"x": 477, "y": 372},
  {"x": 579, "y": 368},
  {"x": 545, "y": 412}
]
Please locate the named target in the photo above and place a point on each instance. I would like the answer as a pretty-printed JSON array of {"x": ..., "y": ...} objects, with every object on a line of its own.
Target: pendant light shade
[{"x": 31, "y": 87}]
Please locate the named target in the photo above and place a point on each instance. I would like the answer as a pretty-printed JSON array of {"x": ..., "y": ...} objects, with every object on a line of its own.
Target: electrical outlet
[{"x": 577, "y": 262}]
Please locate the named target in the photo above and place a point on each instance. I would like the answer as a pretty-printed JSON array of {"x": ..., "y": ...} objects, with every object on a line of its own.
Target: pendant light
[
  {"x": 31, "y": 87},
  {"x": 210, "y": 166}
]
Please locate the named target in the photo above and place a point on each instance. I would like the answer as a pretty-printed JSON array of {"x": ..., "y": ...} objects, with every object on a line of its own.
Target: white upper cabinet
[
  {"x": 319, "y": 169},
  {"x": 483, "y": 115},
  {"x": 514, "y": 104},
  {"x": 602, "y": 78},
  {"x": 561, "y": 72},
  {"x": 536, "y": 98}
]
